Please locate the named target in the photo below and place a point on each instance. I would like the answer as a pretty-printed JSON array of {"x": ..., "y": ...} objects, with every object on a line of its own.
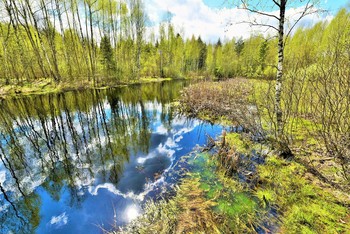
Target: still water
[{"x": 83, "y": 162}]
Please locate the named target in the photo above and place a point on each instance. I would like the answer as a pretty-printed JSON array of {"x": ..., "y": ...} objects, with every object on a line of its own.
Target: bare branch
[
  {"x": 307, "y": 11},
  {"x": 258, "y": 24},
  {"x": 279, "y": 5},
  {"x": 245, "y": 7}
]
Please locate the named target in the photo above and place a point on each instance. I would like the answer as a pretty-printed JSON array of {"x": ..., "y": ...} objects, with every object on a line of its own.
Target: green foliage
[
  {"x": 304, "y": 206},
  {"x": 107, "y": 57},
  {"x": 239, "y": 45},
  {"x": 28, "y": 53}
]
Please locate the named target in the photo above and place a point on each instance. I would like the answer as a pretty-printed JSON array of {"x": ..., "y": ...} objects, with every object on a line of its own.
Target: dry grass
[
  {"x": 187, "y": 212},
  {"x": 222, "y": 101}
]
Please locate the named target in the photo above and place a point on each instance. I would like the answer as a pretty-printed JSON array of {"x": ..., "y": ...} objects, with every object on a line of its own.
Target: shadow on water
[{"x": 77, "y": 162}]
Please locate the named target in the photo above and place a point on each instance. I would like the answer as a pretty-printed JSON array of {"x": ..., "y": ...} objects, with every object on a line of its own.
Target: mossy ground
[
  {"x": 45, "y": 86},
  {"x": 305, "y": 207}
]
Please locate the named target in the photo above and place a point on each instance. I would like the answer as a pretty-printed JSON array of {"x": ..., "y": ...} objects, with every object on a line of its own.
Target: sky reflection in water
[{"x": 81, "y": 162}]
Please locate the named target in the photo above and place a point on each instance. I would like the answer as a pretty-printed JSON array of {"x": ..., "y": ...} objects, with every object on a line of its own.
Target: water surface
[{"x": 80, "y": 162}]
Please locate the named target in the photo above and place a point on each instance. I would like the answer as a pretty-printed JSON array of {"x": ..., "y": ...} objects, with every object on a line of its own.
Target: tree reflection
[{"x": 70, "y": 139}]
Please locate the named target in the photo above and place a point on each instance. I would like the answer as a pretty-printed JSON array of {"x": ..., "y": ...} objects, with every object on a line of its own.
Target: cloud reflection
[
  {"x": 60, "y": 220},
  {"x": 132, "y": 212}
]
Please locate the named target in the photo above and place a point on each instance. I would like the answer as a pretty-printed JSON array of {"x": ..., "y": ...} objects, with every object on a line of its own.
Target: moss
[
  {"x": 238, "y": 210},
  {"x": 266, "y": 195},
  {"x": 314, "y": 217},
  {"x": 238, "y": 142},
  {"x": 305, "y": 207},
  {"x": 238, "y": 204},
  {"x": 205, "y": 187},
  {"x": 214, "y": 190}
]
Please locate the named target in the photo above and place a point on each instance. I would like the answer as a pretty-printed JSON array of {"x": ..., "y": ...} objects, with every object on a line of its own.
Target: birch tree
[{"x": 278, "y": 24}]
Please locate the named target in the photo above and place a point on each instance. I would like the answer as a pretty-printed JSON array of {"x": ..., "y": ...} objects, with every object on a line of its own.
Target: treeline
[
  {"x": 70, "y": 39},
  {"x": 105, "y": 41}
]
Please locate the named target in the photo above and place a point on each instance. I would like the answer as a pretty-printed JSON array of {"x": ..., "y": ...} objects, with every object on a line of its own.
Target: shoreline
[{"x": 47, "y": 86}]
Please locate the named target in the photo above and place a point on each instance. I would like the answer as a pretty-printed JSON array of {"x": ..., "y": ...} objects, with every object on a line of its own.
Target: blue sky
[
  {"x": 213, "y": 19},
  {"x": 331, "y": 5}
]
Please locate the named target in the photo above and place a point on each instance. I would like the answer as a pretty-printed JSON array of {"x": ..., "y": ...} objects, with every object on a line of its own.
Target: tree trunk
[
  {"x": 282, "y": 146},
  {"x": 66, "y": 55}
]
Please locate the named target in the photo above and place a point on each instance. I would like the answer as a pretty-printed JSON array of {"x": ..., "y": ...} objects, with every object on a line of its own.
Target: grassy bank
[
  {"x": 279, "y": 196},
  {"x": 308, "y": 192},
  {"x": 45, "y": 86}
]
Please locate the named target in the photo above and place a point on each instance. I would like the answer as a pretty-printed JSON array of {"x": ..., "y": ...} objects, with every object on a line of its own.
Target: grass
[
  {"x": 206, "y": 201},
  {"x": 44, "y": 86},
  {"x": 187, "y": 212},
  {"x": 305, "y": 207},
  {"x": 240, "y": 145}
]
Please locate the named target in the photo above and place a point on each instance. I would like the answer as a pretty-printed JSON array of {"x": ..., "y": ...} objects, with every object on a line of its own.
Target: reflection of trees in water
[{"x": 69, "y": 139}]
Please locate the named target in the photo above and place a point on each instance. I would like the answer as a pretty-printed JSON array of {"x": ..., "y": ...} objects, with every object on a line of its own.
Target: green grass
[
  {"x": 208, "y": 201},
  {"x": 238, "y": 204},
  {"x": 304, "y": 207},
  {"x": 238, "y": 210}
]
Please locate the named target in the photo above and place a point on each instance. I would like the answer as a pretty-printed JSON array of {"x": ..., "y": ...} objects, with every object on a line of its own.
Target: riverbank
[
  {"x": 277, "y": 196},
  {"x": 244, "y": 185},
  {"x": 46, "y": 86},
  {"x": 308, "y": 191}
]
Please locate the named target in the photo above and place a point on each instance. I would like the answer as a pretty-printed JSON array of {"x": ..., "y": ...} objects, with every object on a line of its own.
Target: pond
[{"x": 86, "y": 161}]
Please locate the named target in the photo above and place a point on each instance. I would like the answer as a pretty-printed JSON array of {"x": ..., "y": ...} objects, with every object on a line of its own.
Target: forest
[
  {"x": 179, "y": 134},
  {"x": 106, "y": 41}
]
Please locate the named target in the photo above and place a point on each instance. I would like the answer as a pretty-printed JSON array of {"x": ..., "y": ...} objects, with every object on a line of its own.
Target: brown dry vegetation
[{"x": 225, "y": 102}]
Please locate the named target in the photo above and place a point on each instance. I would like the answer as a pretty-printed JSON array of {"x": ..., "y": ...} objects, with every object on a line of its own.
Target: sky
[{"x": 214, "y": 19}]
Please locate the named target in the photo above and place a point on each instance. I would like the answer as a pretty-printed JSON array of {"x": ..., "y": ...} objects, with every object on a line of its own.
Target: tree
[
  {"x": 107, "y": 55},
  {"x": 281, "y": 5},
  {"x": 202, "y": 54},
  {"x": 138, "y": 21},
  {"x": 239, "y": 45}
]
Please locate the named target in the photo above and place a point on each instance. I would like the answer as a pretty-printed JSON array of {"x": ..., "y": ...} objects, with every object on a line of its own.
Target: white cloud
[
  {"x": 194, "y": 17},
  {"x": 2, "y": 177},
  {"x": 59, "y": 220},
  {"x": 161, "y": 130},
  {"x": 142, "y": 160}
]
